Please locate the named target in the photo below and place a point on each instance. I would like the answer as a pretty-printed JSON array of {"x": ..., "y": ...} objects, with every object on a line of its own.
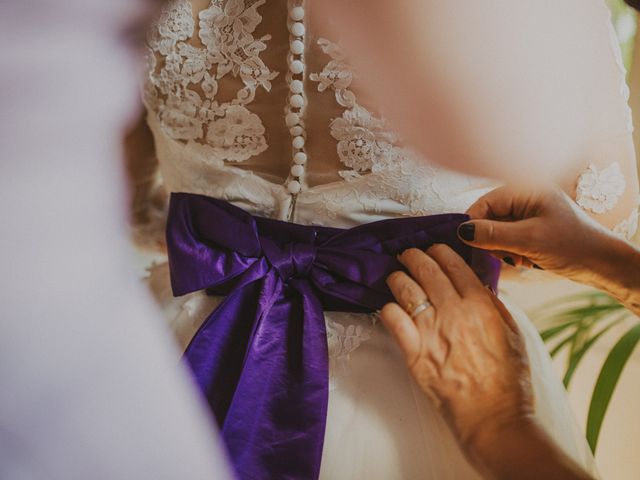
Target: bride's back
[
  {"x": 244, "y": 79},
  {"x": 254, "y": 101},
  {"x": 255, "y": 86}
]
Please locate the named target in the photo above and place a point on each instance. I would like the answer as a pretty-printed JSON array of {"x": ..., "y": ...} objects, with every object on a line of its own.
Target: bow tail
[
  {"x": 216, "y": 352},
  {"x": 261, "y": 360},
  {"x": 276, "y": 422}
]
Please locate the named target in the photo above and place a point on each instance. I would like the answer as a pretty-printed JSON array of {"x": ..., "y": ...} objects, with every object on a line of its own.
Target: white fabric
[{"x": 90, "y": 384}]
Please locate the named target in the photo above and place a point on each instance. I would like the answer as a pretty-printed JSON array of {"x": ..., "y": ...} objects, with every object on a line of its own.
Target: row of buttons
[{"x": 297, "y": 100}]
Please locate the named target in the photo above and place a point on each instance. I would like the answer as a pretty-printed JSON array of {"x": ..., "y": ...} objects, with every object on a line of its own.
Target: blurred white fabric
[{"x": 90, "y": 387}]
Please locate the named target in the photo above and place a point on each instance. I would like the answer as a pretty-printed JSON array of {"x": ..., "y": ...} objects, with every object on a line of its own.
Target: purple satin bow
[{"x": 261, "y": 357}]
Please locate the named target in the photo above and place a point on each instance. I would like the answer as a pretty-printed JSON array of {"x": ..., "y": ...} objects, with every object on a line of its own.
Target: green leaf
[
  {"x": 577, "y": 356},
  {"x": 607, "y": 381},
  {"x": 580, "y": 297},
  {"x": 557, "y": 348},
  {"x": 582, "y": 318},
  {"x": 578, "y": 314},
  {"x": 589, "y": 310},
  {"x": 549, "y": 333}
]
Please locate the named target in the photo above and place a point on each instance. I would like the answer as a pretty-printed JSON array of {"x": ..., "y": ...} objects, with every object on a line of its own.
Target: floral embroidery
[
  {"x": 195, "y": 64},
  {"x": 366, "y": 144},
  {"x": 362, "y": 139},
  {"x": 227, "y": 32},
  {"x": 629, "y": 226},
  {"x": 600, "y": 190},
  {"x": 336, "y": 75},
  {"x": 238, "y": 135},
  {"x": 254, "y": 73},
  {"x": 180, "y": 116},
  {"x": 345, "y": 333},
  {"x": 183, "y": 82},
  {"x": 174, "y": 25},
  {"x": 333, "y": 76}
]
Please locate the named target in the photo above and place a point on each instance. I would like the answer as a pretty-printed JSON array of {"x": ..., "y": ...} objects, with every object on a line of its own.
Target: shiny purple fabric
[{"x": 261, "y": 357}]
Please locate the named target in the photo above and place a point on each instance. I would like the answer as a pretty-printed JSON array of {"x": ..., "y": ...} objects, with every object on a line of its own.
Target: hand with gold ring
[
  {"x": 463, "y": 349},
  {"x": 466, "y": 353}
]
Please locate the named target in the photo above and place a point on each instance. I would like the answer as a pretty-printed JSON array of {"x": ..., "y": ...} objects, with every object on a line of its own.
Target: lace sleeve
[{"x": 606, "y": 185}]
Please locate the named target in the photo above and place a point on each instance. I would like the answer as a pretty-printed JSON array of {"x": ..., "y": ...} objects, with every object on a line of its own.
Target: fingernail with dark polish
[
  {"x": 467, "y": 231},
  {"x": 509, "y": 261}
]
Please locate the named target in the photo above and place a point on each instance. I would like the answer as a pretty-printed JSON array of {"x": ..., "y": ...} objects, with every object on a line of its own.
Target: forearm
[
  {"x": 618, "y": 272},
  {"x": 521, "y": 450}
]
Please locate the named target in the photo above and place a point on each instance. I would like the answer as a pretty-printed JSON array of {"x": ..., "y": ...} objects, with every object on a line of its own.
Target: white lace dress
[{"x": 250, "y": 103}]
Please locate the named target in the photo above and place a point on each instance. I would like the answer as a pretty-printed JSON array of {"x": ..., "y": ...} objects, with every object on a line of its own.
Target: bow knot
[{"x": 292, "y": 261}]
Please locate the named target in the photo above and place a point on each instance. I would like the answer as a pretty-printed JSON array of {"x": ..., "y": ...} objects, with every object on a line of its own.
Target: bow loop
[{"x": 209, "y": 242}]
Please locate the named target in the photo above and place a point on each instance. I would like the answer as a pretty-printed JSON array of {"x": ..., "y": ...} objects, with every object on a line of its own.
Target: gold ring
[{"x": 418, "y": 309}]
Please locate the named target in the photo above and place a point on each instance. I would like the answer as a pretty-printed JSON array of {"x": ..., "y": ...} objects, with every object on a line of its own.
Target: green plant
[{"x": 574, "y": 325}]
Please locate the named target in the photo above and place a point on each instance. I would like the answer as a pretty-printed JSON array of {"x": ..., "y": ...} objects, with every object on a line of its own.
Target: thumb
[{"x": 513, "y": 237}]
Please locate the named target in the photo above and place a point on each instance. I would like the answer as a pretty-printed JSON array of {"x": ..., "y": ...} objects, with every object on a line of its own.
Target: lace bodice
[
  {"x": 253, "y": 102},
  {"x": 249, "y": 102}
]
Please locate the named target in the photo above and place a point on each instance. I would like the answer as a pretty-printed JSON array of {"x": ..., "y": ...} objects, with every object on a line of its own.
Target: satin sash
[{"x": 261, "y": 357}]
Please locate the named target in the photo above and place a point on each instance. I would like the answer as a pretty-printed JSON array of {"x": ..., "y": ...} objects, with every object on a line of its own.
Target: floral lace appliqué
[
  {"x": 236, "y": 133},
  {"x": 346, "y": 332},
  {"x": 183, "y": 83},
  {"x": 336, "y": 75},
  {"x": 599, "y": 190},
  {"x": 629, "y": 226},
  {"x": 366, "y": 144}
]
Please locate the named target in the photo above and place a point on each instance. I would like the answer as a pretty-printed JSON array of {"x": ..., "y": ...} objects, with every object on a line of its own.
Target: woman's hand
[
  {"x": 465, "y": 350},
  {"x": 547, "y": 230}
]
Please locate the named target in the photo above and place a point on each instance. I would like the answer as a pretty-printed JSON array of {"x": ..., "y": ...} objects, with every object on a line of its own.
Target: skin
[{"x": 467, "y": 355}]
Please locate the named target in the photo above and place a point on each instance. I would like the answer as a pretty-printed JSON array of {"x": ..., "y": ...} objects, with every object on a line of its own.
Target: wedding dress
[{"x": 250, "y": 103}]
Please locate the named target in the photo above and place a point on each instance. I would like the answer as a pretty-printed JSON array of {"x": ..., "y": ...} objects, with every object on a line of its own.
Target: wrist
[
  {"x": 521, "y": 449},
  {"x": 616, "y": 270},
  {"x": 493, "y": 438},
  {"x": 624, "y": 275}
]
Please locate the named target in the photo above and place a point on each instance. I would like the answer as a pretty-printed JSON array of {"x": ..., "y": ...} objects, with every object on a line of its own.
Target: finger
[
  {"x": 514, "y": 237},
  {"x": 430, "y": 276},
  {"x": 402, "y": 329},
  {"x": 498, "y": 203},
  {"x": 405, "y": 290},
  {"x": 462, "y": 277}
]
